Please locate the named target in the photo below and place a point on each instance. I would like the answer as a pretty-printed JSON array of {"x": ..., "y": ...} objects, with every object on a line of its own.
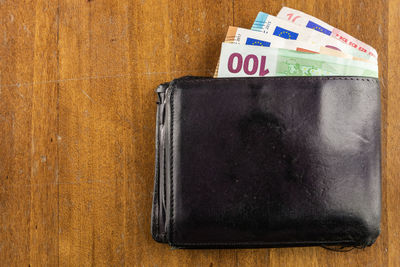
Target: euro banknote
[
  {"x": 273, "y": 26},
  {"x": 242, "y": 36},
  {"x": 257, "y": 61},
  {"x": 308, "y": 21}
]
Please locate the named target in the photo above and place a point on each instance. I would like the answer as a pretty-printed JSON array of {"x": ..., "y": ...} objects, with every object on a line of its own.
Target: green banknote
[{"x": 257, "y": 61}]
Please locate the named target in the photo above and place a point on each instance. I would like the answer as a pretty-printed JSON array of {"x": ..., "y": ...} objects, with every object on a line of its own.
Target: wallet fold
[{"x": 267, "y": 162}]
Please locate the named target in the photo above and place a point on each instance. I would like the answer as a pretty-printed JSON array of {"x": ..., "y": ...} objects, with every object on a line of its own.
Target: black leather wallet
[{"x": 267, "y": 162}]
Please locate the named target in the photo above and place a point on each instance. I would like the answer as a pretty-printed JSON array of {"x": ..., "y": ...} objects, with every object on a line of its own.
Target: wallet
[{"x": 267, "y": 162}]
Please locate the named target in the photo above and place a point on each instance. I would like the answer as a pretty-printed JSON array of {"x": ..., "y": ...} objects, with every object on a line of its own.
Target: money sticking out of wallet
[{"x": 294, "y": 44}]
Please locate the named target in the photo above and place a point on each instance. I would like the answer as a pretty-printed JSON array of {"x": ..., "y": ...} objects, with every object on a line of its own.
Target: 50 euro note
[
  {"x": 304, "y": 20},
  {"x": 273, "y": 26},
  {"x": 257, "y": 61}
]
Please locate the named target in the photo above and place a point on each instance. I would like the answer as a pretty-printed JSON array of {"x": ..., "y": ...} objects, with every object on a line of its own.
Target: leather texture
[{"x": 267, "y": 162}]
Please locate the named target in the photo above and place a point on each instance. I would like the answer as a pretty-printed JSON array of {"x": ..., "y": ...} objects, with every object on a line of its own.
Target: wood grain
[{"x": 77, "y": 115}]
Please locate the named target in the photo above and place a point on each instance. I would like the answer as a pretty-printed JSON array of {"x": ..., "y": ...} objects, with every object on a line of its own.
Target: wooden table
[{"x": 77, "y": 120}]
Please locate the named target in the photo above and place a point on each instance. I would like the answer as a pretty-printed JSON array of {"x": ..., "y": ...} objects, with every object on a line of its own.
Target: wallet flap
[{"x": 272, "y": 161}]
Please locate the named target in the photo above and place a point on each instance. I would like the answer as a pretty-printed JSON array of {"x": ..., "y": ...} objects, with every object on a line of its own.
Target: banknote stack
[{"x": 294, "y": 44}]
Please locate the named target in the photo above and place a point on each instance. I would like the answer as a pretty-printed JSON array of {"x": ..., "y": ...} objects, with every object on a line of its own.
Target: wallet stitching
[
  {"x": 172, "y": 164},
  {"x": 155, "y": 210},
  {"x": 158, "y": 174},
  {"x": 266, "y": 243},
  {"x": 376, "y": 80}
]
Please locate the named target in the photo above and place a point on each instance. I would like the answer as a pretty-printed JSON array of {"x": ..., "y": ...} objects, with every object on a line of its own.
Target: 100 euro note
[
  {"x": 308, "y": 21},
  {"x": 257, "y": 61},
  {"x": 242, "y": 36},
  {"x": 273, "y": 26}
]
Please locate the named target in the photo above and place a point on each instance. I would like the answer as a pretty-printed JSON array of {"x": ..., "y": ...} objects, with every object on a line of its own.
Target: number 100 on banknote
[{"x": 250, "y": 65}]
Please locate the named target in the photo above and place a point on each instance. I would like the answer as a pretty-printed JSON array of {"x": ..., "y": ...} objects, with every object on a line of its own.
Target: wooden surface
[{"x": 77, "y": 118}]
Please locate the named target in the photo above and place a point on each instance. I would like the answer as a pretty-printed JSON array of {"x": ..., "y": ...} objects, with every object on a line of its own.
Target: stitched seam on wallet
[
  {"x": 266, "y": 243},
  {"x": 376, "y": 80},
  {"x": 158, "y": 175},
  {"x": 155, "y": 225},
  {"x": 172, "y": 164}
]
